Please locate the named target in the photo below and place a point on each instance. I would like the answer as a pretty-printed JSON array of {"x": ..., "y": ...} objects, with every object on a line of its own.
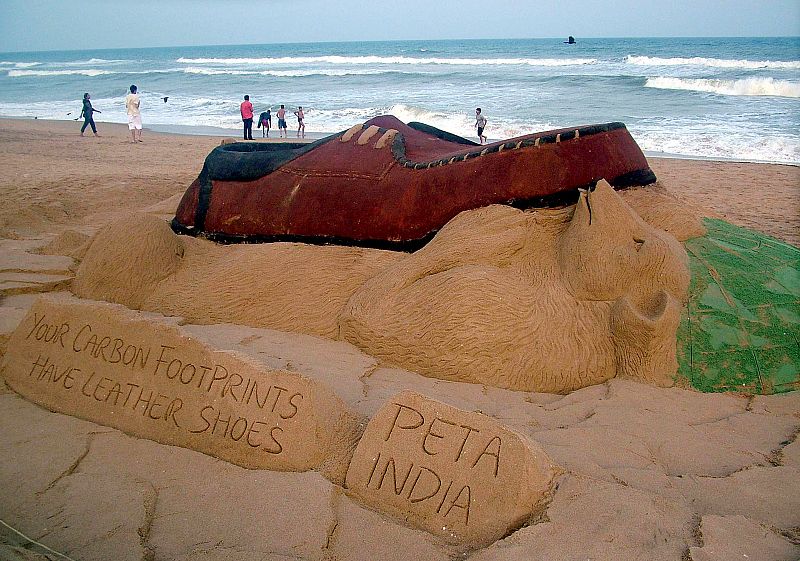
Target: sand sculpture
[
  {"x": 387, "y": 184},
  {"x": 543, "y": 300},
  {"x": 537, "y": 300},
  {"x": 529, "y": 304}
]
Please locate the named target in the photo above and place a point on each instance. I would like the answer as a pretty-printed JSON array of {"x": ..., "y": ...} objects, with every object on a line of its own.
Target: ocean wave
[
  {"x": 463, "y": 123},
  {"x": 335, "y": 59},
  {"x": 694, "y": 141},
  {"x": 86, "y": 72},
  {"x": 285, "y": 73},
  {"x": 20, "y": 64},
  {"x": 161, "y": 71},
  {"x": 672, "y": 137},
  {"x": 711, "y": 62},
  {"x": 93, "y": 61},
  {"x": 745, "y": 86},
  {"x": 721, "y": 144}
]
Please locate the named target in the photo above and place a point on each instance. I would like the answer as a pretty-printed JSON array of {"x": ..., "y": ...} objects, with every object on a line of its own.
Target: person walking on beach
[
  {"x": 132, "y": 103},
  {"x": 480, "y": 123},
  {"x": 265, "y": 123},
  {"x": 86, "y": 113},
  {"x": 246, "y": 108},
  {"x": 282, "y": 122},
  {"x": 301, "y": 126}
]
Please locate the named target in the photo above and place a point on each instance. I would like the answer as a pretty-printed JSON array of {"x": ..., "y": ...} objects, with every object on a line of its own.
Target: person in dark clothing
[
  {"x": 265, "y": 123},
  {"x": 86, "y": 113}
]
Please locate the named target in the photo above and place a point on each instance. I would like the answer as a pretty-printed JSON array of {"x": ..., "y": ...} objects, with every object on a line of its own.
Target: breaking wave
[
  {"x": 86, "y": 72},
  {"x": 711, "y": 62},
  {"x": 93, "y": 61},
  {"x": 284, "y": 73},
  {"x": 745, "y": 86},
  {"x": 20, "y": 64}
]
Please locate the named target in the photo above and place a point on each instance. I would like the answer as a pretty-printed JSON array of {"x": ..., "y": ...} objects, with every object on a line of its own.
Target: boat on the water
[{"x": 390, "y": 185}]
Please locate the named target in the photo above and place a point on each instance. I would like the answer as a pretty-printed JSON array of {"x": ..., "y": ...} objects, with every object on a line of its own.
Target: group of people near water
[
  {"x": 132, "y": 103},
  {"x": 265, "y": 120}
]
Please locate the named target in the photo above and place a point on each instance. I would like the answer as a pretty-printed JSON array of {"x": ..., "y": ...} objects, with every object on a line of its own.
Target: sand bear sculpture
[{"x": 541, "y": 300}]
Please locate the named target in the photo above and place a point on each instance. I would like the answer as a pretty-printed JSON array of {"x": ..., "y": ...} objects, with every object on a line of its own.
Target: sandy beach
[{"x": 645, "y": 472}]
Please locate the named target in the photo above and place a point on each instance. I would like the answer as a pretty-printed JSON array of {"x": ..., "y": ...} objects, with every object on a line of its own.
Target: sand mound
[
  {"x": 127, "y": 259},
  {"x": 70, "y": 243},
  {"x": 661, "y": 209},
  {"x": 165, "y": 207},
  {"x": 293, "y": 287}
]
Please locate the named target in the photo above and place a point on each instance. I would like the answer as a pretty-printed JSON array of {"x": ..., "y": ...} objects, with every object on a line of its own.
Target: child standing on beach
[
  {"x": 86, "y": 113},
  {"x": 301, "y": 126},
  {"x": 480, "y": 123}
]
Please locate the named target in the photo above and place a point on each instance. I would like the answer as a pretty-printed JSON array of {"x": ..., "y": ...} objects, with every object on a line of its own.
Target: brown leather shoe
[{"x": 387, "y": 184}]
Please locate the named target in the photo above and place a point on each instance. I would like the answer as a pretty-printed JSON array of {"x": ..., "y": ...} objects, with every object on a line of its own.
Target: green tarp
[{"x": 740, "y": 330}]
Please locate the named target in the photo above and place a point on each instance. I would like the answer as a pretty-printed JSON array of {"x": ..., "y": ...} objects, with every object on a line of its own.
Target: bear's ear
[
  {"x": 583, "y": 212},
  {"x": 596, "y": 203},
  {"x": 601, "y": 204}
]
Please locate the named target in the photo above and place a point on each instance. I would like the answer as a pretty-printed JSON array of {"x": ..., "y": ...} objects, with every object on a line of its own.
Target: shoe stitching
[
  {"x": 303, "y": 172},
  {"x": 399, "y": 147}
]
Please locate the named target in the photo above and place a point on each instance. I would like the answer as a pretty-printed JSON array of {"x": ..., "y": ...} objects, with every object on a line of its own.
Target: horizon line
[{"x": 28, "y": 51}]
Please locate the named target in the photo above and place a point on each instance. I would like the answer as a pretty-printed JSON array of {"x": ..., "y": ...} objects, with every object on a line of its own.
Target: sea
[{"x": 709, "y": 98}]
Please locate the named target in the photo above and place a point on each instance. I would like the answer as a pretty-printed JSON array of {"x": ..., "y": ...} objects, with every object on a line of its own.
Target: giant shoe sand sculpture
[
  {"x": 544, "y": 300},
  {"x": 387, "y": 184}
]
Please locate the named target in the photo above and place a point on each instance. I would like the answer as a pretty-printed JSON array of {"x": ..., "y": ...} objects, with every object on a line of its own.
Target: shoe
[{"x": 390, "y": 185}]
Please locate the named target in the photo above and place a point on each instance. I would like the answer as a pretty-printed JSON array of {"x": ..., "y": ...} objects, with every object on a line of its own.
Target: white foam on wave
[
  {"x": 282, "y": 73},
  {"x": 92, "y": 61},
  {"x": 86, "y": 72},
  {"x": 700, "y": 141},
  {"x": 211, "y": 112},
  {"x": 685, "y": 137},
  {"x": 711, "y": 62},
  {"x": 463, "y": 124},
  {"x": 745, "y": 86},
  {"x": 20, "y": 64},
  {"x": 721, "y": 144},
  {"x": 335, "y": 59}
]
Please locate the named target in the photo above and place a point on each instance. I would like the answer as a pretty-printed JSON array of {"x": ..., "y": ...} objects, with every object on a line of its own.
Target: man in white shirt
[{"x": 134, "y": 116}]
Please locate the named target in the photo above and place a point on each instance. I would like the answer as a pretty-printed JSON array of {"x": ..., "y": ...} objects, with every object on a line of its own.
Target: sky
[{"x": 40, "y": 25}]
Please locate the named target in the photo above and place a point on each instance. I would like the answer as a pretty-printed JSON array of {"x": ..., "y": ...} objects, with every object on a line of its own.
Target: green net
[{"x": 741, "y": 328}]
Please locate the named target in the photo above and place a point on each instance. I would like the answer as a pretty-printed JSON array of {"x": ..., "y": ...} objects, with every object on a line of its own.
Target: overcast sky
[{"x": 30, "y": 25}]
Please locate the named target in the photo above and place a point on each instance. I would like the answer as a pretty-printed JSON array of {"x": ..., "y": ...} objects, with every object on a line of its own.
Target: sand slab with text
[
  {"x": 145, "y": 376},
  {"x": 459, "y": 475}
]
